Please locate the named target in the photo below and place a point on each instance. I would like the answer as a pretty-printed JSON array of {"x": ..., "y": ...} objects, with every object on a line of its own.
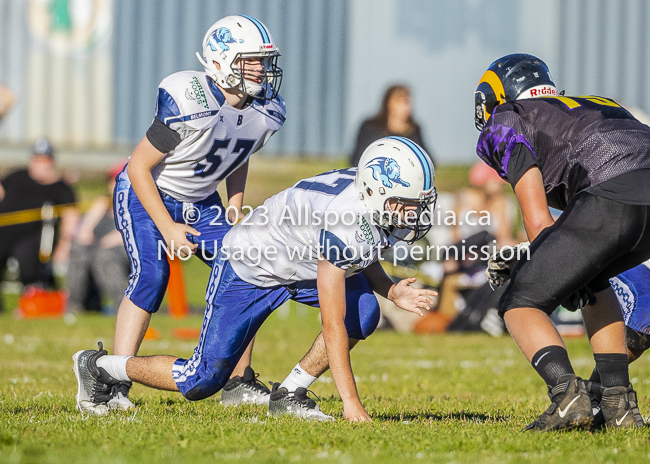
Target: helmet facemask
[
  {"x": 485, "y": 101},
  {"x": 406, "y": 214},
  {"x": 484, "y": 105},
  {"x": 270, "y": 77}
]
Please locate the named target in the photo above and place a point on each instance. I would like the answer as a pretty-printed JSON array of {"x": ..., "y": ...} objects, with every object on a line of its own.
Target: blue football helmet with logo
[
  {"x": 395, "y": 180},
  {"x": 511, "y": 77},
  {"x": 229, "y": 42}
]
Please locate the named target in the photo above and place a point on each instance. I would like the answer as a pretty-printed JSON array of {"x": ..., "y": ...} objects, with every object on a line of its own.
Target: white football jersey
[
  {"x": 215, "y": 137},
  {"x": 320, "y": 215}
]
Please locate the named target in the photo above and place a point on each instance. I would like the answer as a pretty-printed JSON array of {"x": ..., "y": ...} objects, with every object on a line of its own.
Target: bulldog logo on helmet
[
  {"x": 387, "y": 170},
  {"x": 220, "y": 38}
]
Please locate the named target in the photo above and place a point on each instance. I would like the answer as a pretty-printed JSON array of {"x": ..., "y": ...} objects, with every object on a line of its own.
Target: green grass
[{"x": 447, "y": 398}]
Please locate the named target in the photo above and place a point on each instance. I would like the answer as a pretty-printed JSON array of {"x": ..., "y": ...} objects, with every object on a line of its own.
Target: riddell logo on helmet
[{"x": 543, "y": 91}]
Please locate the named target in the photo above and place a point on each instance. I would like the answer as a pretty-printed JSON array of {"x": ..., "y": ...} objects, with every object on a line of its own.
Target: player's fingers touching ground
[{"x": 357, "y": 415}]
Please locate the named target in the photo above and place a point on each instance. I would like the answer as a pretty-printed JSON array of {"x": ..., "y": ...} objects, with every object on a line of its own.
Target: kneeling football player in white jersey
[
  {"x": 317, "y": 243},
  {"x": 206, "y": 126}
]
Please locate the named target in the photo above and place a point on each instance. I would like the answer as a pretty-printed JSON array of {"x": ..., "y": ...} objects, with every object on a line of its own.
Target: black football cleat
[
  {"x": 620, "y": 408},
  {"x": 570, "y": 407}
]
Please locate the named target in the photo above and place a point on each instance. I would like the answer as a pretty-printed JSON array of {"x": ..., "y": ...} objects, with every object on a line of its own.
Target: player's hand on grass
[
  {"x": 355, "y": 412},
  {"x": 176, "y": 239},
  {"x": 410, "y": 298}
]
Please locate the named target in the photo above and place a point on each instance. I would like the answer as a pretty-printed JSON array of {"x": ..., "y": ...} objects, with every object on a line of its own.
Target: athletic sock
[
  {"x": 595, "y": 375},
  {"x": 551, "y": 363},
  {"x": 596, "y": 392},
  {"x": 115, "y": 366},
  {"x": 613, "y": 369},
  {"x": 298, "y": 378}
]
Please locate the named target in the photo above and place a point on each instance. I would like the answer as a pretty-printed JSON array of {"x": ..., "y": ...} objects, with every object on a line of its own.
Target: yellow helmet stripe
[{"x": 491, "y": 78}]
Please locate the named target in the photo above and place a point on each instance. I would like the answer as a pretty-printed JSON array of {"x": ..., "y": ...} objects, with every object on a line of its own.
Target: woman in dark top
[{"x": 395, "y": 117}]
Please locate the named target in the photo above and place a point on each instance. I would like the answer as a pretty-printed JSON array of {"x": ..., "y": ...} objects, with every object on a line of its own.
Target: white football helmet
[
  {"x": 395, "y": 168},
  {"x": 236, "y": 38}
]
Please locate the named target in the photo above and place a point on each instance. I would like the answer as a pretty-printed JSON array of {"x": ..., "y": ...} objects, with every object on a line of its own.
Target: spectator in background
[
  {"x": 7, "y": 99},
  {"x": 485, "y": 216},
  {"x": 25, "y": 192},
  {"x": 395, "y": 117},
  {"x": 485, "y": 195},
  {"x": 99, "y": 265}
]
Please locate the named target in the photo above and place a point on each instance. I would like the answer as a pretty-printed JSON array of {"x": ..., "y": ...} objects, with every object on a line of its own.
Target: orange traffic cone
[
  {"x": 36, "y": 303},
  {"x": 151, "y": 334},
  {"x": 176, "y": 294},
  {"x": 186, "y": 333}
]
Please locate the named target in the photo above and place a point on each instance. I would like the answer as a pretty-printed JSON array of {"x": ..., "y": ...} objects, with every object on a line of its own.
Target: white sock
[
  {"x": 115, "y": 366},
  {"x": 298, "y": 378}
]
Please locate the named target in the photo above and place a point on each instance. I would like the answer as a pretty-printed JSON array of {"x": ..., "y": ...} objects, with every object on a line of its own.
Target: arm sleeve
[
  {"x": 521, "y": 160},
  {"x": 163, "y": 138}
]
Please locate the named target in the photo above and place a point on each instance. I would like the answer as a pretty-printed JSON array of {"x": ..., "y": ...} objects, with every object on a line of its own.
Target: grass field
[{"x": 447, "y": 398}]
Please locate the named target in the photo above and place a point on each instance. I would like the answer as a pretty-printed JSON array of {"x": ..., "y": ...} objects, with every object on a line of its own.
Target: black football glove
[
  {"x": 580, "y": 299},
  {"x": 499, "y": 266}
]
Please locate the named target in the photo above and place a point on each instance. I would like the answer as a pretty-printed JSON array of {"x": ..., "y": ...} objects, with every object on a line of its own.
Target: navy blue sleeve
[
  {"x": 166, "y": 107},
  {"x": 334, "y": 250}
]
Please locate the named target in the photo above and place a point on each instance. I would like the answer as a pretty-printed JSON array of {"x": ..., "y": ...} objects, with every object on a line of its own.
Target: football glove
[
  {"x": 580, "y": 299},
  {"x": 499, "y": 266}
]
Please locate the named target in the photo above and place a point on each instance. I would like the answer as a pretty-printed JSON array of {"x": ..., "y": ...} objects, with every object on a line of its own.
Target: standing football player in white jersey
[
  {"x": 206, "y": 126},
  {"x": 317, "y": 243}
]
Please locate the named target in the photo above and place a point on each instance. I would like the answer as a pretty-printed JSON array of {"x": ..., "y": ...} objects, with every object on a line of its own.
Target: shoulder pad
[
  {"x": 186, "y": 97},
  {"x": 276, "y": 109}
]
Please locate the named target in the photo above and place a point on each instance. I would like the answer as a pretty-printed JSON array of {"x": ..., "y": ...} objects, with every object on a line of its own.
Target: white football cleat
[
  {"x": 93, "y": 385},
  {"x": 120, "y": 399},
  {"x": 296, "y": 404},
  {"x": 245, "y": 390}
]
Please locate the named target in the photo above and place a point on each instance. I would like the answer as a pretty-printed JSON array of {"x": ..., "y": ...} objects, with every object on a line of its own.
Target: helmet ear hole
[{"x": 369, "y": 191}]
